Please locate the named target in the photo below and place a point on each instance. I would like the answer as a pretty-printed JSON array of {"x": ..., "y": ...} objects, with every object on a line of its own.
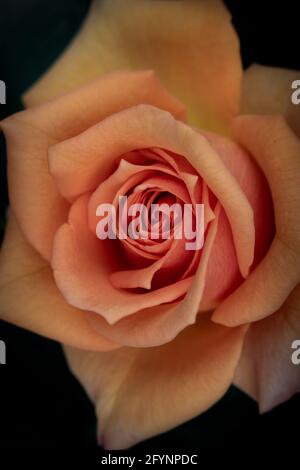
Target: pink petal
[
  {"x": 92, "y": 153},
  {"x": 156, "y": 326},
  {"x": 277, "y": 150},
  {"x": 82, "y": 265}
]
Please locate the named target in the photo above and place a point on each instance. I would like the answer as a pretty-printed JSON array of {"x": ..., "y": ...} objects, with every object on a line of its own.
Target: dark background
[{"x": 41, "y": 405}]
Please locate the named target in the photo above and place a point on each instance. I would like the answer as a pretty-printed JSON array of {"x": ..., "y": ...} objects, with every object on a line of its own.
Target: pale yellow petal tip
[{"x": 154, "y": 36}]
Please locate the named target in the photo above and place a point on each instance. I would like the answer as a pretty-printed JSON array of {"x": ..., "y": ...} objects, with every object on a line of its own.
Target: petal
[
  {"x": 268, "y": 90},
  {"x": 255, "y": 186},
  {"x": 124, "y": 179},
  {"x": 276, "y": 149},
  {"x": 266, "y": 370},
  {"x": 191, "y": 45},
  {"x": 176, "y": 257},
  {"x": 161, "y": 324},
  {"x": 38, "y": 206},
  {"x": 29, "y": 297},
  {"x": 93, "y": 152},
  {"x": 222, "y": 260},
  {"x": 139, "y": 393},
  {"x": 82, "y": 265}
]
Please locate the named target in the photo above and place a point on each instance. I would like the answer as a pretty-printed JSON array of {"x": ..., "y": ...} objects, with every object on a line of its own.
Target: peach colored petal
[
  {"x": 93, "y": 152},
  {"x": 161, "y": 324},
  {"x": 183, "y": 169},
  {"x": 208, "y": 212},
  {"x": 29, "y": 297},
  {"x": 166, "y": 183},
  {"x": 222, "y": 260},
  {"x": 118, "y": 184},
  {"x": 133, "y": 174},
  {"x": 140, "y": 177},
  {"x": 223, "y": 256},
  {"x": 38, "y": 206},
  {"x": 191, "y": 45},
  {"x": 268, "y": 90},
  {"x": 255, "y": 186},
  {"x": 139, "y": 393},
  {"x": 39, "y": 209},
  {"x": 137, "y": 252},
  {"x": 82, "y": 265},
  {"x": 277, "y": 150},
  {"x": 266, "y": 371},
  {"x": 176, "y": 257}
]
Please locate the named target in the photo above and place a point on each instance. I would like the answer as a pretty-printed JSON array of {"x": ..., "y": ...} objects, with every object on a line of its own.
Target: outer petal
[
  {"x": 38, "y": 206},
  {"x": 190, "y": 44},
  {"x": 266, "y": 371},
  {"x": 277, "y": 150},
  {"x": 268, "y": 90},
  {"x": 29, "y": 297},
  {"x": 140, "y": 393}
]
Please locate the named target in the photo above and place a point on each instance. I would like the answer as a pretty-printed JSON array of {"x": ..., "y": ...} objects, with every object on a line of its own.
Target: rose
[
  {"x": 64, "y": 133},
  {"x": 156, "y": 152}
]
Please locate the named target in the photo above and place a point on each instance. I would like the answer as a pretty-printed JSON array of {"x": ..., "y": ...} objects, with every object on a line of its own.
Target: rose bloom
[{"x": 144, "y": 104}]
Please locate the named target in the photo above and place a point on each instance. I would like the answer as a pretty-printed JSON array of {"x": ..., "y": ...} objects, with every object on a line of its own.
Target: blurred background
[{"x": 41, "y": 405}]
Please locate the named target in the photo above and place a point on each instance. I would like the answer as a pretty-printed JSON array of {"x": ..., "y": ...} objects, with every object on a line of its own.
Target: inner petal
[{"x": 149, "y": 177}]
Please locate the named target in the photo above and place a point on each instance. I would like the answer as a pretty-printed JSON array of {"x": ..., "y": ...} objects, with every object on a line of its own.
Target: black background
[{"x": 41, "y": 405}]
